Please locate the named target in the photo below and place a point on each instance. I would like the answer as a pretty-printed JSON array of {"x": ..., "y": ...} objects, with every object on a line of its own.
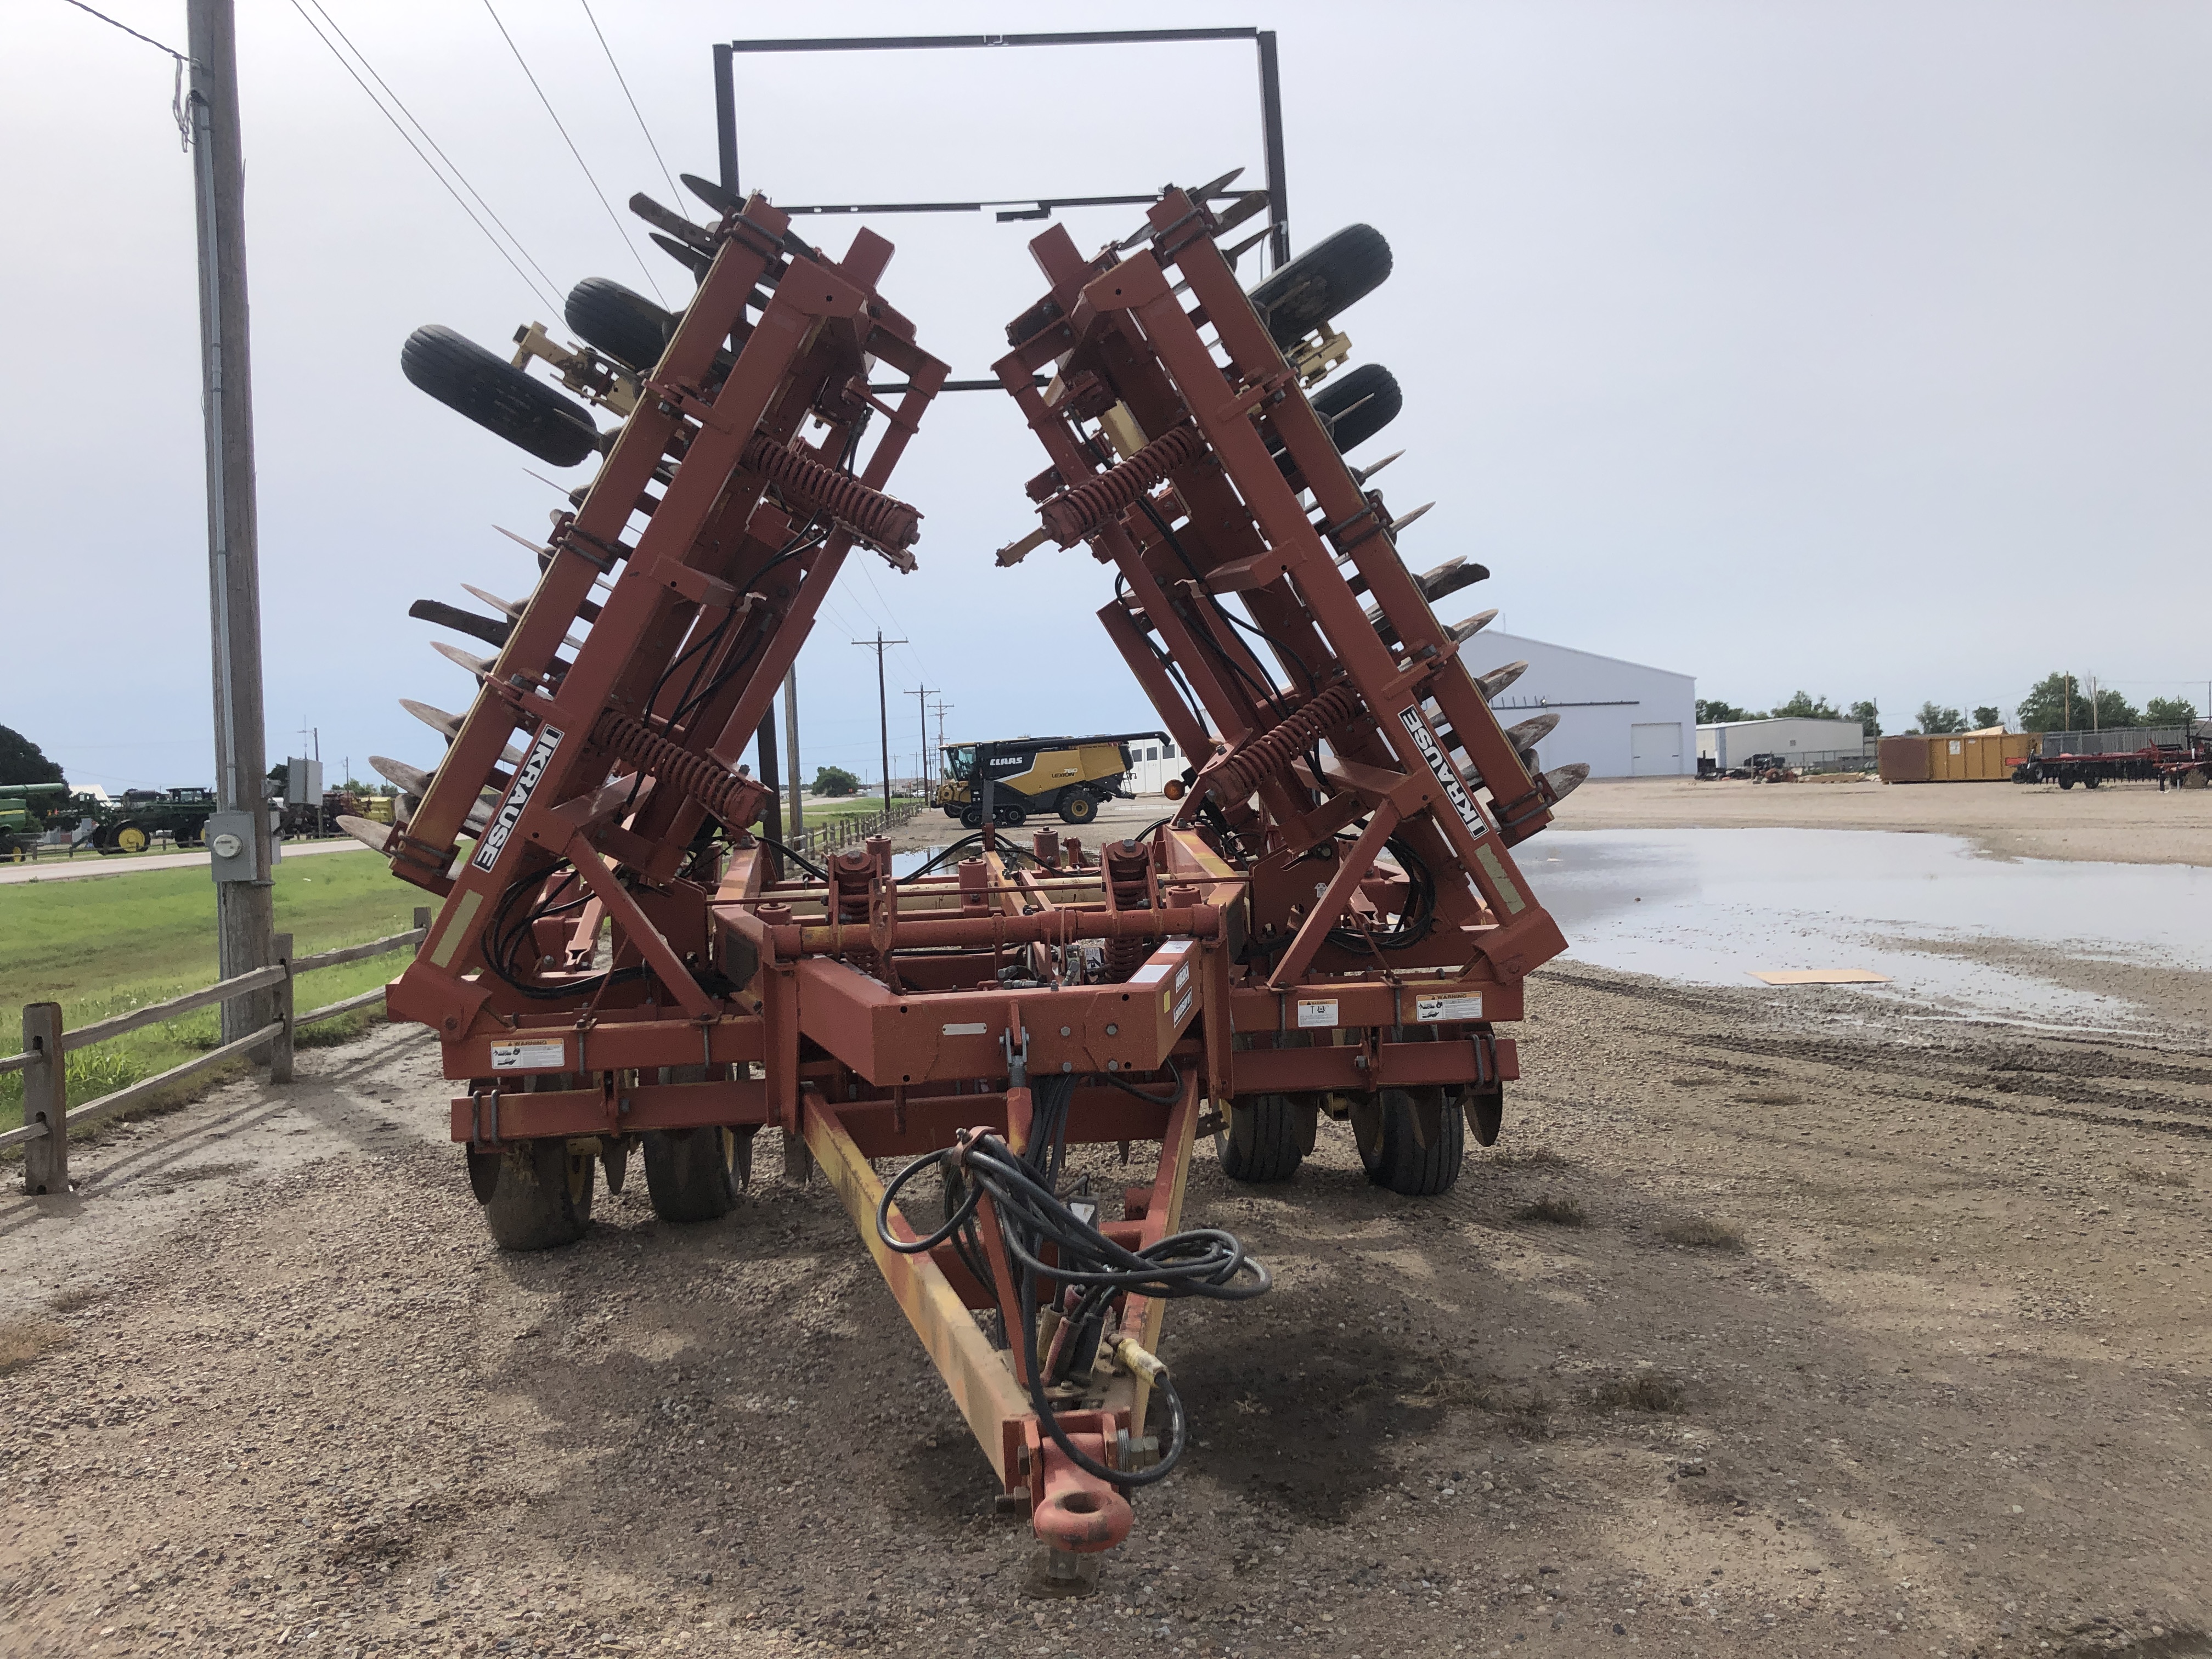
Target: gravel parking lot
[{"x": 1772, "y": 1325}]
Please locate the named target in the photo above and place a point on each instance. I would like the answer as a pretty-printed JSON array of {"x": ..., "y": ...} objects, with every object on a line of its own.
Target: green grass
[
  {"x": 822, "y": 812},
  {"x": 102, "y": 945}
]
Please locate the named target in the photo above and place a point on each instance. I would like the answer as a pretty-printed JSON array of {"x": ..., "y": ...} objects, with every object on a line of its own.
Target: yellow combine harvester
[{"x": 1021, "y": 776}]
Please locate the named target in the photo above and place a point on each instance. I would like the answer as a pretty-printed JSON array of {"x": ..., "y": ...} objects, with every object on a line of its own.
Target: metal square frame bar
[{"x": 1271, "y": 115}]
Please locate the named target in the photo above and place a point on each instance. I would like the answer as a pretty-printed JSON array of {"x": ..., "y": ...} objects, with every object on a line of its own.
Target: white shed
[
  {"x": 1732, "y": 743},
  {"x": 1620, "y": 719}
]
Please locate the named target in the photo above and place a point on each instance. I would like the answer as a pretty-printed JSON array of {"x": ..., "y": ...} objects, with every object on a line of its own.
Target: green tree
[
  {"x": 835, "y": 781},
  {"x": 1986, "y": 714},
  {"x": 23, "y": 760},
  {"x": 279, "y": 777},
  {"x": 1712, "y": 711},
  {"x": 1936, "y": 720},
  {"x": 1804, "y": 706},
  {"x": 1869, "y": 717},
  {"x": 2169, "y": 711},
  {"x": 2051, "y": 703}
]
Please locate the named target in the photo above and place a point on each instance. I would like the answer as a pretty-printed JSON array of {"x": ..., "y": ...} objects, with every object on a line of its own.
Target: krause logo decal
[
  {"x": 1446, "y": 776},
  {"x": 525, "y": 784}
]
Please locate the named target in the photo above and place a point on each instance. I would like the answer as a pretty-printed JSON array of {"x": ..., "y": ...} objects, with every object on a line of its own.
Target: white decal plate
[
  {"x": 1447, "y": 775},
  {"x": 978, "y": 1030},
  {"x": 1150, "y": 974},
  {"x": 1316, "y": 1015},
  {"x": 526, "y": 785},
  {"x": 1428, "y": 1010},
  {"x": 1182, "y": 1007},
  {"x": 529, "y": 1056}
]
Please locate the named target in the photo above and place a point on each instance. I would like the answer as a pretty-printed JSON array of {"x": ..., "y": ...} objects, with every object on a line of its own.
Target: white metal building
[
  {"x": 1152, "y": 761},
  {"x": 1731, "y": 742},
  {"x": 1620, "y": 719}
]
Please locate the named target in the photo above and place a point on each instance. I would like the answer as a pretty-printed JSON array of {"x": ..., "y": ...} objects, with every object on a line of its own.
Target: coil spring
[
  {"x": 735, "y": 800},
  {"x": 880, "y": 519},
  {"x": 1073, "y": 513},
  {"x": 1279, "y": 747}
]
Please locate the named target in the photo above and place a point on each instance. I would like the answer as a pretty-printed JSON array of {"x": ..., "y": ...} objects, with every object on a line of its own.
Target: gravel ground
[
  {"x": 1766, "y": 1328},
  {"x": 1778, "y": 1322}
]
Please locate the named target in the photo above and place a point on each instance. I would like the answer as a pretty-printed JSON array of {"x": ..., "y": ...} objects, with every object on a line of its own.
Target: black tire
[
  {"x": 953, "y": 812},
  {"x": 971, "y": 815},
  {"x": 1264, "y": 1137},
  {"x": 1078, "y": 806},
  {"x": 2090, "y": 780},
  {"x": 1356, "y": 406},
  {"x": 626, "y": 326},
  {"x": 1008, "y": 815},
  {"x": 498, "y": 396},
  {"x": 1323, "y": 281},
  {"x": 541, "y": 1195},
  {"x": 1411, "y": 1140},
  {"x": 691, "y": 1175},
  {"x": 2065, "y": 779}
]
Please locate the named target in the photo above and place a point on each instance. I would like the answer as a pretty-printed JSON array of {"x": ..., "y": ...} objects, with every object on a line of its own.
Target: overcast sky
[{"x": 1861, "y": 347}]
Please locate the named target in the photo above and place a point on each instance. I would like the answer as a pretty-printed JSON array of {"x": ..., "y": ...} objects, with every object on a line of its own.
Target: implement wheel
[
  {"x": 132, "y": 838},
  {"x": 1076, "y": 806},
  {"x": 1265, "y": 1137},
  {"x": 626, "y": 326},
  {"x": 536, "y": 1194},
  {"x": 693, "y": 1174},
  {"x": 1322, "y": 282},
  {"x": 498, "y": 396},
  {"x": 1411, "y": 1140}
]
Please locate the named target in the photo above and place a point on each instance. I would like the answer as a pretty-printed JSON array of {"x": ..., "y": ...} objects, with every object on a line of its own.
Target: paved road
[{"x": 91, "y": 864}]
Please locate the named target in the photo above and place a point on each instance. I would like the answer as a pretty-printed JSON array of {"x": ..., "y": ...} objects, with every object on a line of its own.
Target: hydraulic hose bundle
[{"x": 1091, "y": 1272}]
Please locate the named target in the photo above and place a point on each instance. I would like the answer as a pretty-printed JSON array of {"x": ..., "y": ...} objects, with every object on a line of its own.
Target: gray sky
[{"x": 1855, "y": 347}]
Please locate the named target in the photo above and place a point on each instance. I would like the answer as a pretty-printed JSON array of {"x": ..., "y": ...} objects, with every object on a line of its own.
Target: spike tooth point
[
  {"x": 479, "y": 666},
  {"x": 1469, "y": 627},
  {"x": 412, "y": 779},
  {"x": 508, "y": 606},
  {"x": 1493, "y": 684},
  {"x": 447, "y": 725},
  {"x": 1366, "y": 473},
  {"x": 1531, "y": 731},
  {"x": 1563, "y": 780},
  {"x": 376, "y": 836},
  {"x": 1397, "y": 524}
]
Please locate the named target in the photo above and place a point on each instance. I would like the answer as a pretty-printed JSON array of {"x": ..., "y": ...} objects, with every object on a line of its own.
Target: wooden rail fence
[
  {"x": 834, "y": 835},
  {"x": 47, "y": 1120}
]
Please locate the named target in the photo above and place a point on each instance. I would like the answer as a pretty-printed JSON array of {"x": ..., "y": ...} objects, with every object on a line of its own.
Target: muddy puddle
[{"x": 2070, "y": 943}]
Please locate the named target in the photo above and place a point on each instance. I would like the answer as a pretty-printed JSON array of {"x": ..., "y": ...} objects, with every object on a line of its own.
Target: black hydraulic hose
[
  {"x": 807, "y": 865},
  {"x": 1202, "y": 1261}
]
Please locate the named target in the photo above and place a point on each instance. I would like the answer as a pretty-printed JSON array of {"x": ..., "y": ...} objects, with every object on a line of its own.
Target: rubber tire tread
[
  {"x": 1324, "y": 281},
  {"x": 625, "y": 324},
  {"x": 1273, "y": 1152},
  {"x": 1078, "y": 807},
  {"x": 1404, "y": 1166},
  {"x": 497, "y": 396},
  {"x": 1370, "y": 394},
  {"x": 530, "y": 1208},
  {"x": 688, "y": 1175}
]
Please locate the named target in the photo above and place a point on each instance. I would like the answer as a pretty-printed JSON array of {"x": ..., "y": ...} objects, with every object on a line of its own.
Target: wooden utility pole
[
  {"x": 790, "y": 751},
  {"x": 924, "y": 692},
  {"x": 245, "y": 913},
  {"x": 883, "y": 706}
]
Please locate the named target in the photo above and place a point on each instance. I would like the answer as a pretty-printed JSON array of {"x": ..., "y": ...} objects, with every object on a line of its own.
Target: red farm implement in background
[{"x": 1333, "y": 925}]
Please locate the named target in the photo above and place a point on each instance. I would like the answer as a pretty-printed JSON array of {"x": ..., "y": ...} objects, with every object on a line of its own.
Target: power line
[
  {"x": 612, "y": 217},
  {"x": 676, "y": 196},
  {"x": 128, "y": 30},
  {"x": 551, "y": 286},
  {"x": 417, "y": 149}
]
